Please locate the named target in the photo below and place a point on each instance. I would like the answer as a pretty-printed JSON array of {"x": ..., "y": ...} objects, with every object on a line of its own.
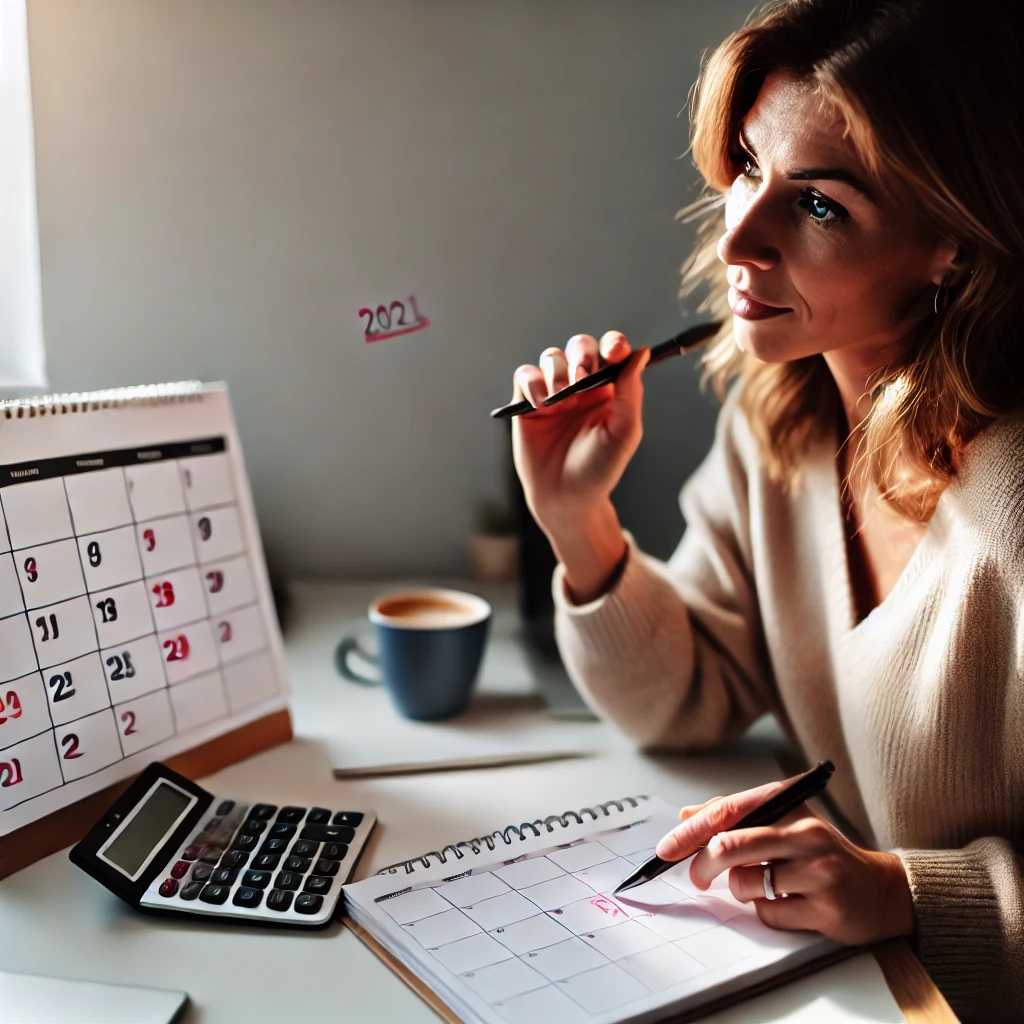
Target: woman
[{"x": 854, "y": 553}]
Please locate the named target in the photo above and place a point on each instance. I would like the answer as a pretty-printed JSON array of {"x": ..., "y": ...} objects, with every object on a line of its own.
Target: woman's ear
[{"x": 950, "y": 266}]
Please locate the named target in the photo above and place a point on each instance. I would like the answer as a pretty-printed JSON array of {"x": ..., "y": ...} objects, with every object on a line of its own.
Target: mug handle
[{"x": 341, "y": 653}]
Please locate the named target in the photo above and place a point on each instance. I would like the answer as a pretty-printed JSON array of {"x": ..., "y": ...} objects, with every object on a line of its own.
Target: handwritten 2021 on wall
[{"x": 392, "y": 320}]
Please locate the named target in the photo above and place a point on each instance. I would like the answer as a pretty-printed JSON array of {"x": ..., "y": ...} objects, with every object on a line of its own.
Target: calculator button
[
  {"x": 300, "y": 864},
  {"x": 318, "y": 816},
  {"x": 326, "y": 867},
  {"x": 224, "y": 876},
  {"x": 279, "y": 899},
  {"x": 256, "y": 879},
  {"x": 215, "y": 893},
  {"x": 180, "y": 870},
  {"x": 274, "y": 846},
  {"x": 328, "y": 833},
  {"x": 191, "y": 853},
  {"x": 234, "y": 859},
  {"x": 244, "y": 842},
  {"x": 266, "y": 861},
  {"x": 253, "y": 827},
  {"x": 225, "y": 807},
  {"x": 307, "y": 903},
  {"x": 287, "y": 880},
  {"x": 334, "y": 851},
  {"x": 168, "y": 887},
  {"x": 352, "y": 818},
  {"x": 246, "y": 897},
  {"x": 210, "y": 854},
  {"x": 282, "y": 830},
  {"x": 191, "y": 890},
  {"x": 304, "y": 848},
  {"x": 201, "y": 873},
  {"x": 317, "y": 883},
  {"x": 262, "y": 811},
  {"x": 291, "y": 815},
  {"x": 211, "y": 826}
]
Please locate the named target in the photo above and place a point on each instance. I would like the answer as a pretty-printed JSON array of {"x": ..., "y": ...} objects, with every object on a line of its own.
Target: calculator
[{"x": 168, "y": 846}]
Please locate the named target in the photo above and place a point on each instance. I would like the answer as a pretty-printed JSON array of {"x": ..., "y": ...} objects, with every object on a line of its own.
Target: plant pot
[{"x": 493, "y": 558}]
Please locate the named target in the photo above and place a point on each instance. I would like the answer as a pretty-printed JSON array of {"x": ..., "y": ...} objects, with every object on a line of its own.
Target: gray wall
[{"x": 223, "y": 183}]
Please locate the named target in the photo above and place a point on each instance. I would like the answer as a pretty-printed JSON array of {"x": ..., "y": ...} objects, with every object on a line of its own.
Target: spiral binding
[
  {"x": 474, "y": 845},
  {"x": 111, "y": 398}
]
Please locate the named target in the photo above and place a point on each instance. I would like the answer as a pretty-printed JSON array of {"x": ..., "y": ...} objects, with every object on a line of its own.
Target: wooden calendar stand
[{"x": 68, "y": 825}]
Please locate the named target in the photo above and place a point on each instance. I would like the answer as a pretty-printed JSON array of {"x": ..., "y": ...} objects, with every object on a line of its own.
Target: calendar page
[
  {"x": 135, "y": 613},
  {"x": 538, "y": 936}
]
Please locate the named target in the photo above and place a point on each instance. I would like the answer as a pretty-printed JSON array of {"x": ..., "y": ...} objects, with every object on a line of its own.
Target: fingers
[
  {"x": 789, "y": 878},
  {"x": 555, "y": 368},
  {"x": 528, "y": 382},
  {"x": 717, "y": 816},
  {"x": 805, "y": 837},
  {"x": 795, "y": 914},
  {"x": 583, "y": 356},
  {"x": 614, "y": 347}
]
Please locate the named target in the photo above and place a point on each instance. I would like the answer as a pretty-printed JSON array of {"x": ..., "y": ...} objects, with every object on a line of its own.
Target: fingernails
[{"x": 715, "y": 844}]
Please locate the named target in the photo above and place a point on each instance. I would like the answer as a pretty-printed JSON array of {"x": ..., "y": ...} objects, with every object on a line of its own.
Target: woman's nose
[{"x": 751, "y": 239}]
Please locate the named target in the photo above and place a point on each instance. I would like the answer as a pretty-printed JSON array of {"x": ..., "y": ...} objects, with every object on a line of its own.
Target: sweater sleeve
[
  {"x": 969, "y": 910},
  {"x": 674, "y": 652}
]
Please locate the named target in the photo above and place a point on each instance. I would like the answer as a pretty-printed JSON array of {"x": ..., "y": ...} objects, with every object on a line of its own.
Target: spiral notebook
[
  {"x": 520, "y": 925},
  {"x": 135, "y": 612}
]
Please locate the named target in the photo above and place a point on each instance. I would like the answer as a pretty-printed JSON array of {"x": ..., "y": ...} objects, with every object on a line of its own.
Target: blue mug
[{"x": 431, "y": 643}]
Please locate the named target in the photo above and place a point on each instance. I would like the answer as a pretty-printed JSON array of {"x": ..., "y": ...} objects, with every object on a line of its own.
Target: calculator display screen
[{"x": 147, "y": 828}]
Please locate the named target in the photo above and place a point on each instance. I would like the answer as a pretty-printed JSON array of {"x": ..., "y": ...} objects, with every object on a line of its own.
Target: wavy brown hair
[{"x": 931, "y": 94}]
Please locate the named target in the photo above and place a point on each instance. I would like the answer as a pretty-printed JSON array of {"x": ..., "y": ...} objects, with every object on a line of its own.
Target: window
[{"x": 22, "y": 359}]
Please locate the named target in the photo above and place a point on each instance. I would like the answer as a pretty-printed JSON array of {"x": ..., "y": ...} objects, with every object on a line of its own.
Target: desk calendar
[{"x": 135, "y": 614}]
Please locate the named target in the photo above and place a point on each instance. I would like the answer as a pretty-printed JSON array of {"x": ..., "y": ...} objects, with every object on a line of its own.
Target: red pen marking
[
  {"x": 606, "y": 906},
  {"x": 387, "y": 324}
]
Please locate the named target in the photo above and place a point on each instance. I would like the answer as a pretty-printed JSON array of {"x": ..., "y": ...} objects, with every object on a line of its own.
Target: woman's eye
[
  {"x": 820, "y": 209},
  {"x": 750, "y": 169}
]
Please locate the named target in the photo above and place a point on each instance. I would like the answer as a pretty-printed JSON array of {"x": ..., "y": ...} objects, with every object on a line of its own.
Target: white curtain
[{"x": 22, "y": 358}]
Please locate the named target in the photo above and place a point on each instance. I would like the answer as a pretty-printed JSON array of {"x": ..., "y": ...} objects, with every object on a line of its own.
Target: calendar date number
[
  {"x": 11, "y": 708},
  {"x": 10, "y": 773}
]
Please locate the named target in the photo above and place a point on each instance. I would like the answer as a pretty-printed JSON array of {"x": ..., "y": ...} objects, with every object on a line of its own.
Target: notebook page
[{"x": 538, "y": 937}]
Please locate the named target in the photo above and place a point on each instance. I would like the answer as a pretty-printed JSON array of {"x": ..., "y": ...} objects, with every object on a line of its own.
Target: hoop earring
[{"x": 935, "y": 304}]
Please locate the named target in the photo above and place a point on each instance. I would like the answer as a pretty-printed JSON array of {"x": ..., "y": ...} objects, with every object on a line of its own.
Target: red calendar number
[
  {"x": 70, "y": 745},
  {"x": 150, "y": 538},
  {"x": 216, "y": 581},
  {"x": 225, "y": 631},
  {"x": 10, "y": 773},
  {"x": 12, "y": 708},
  {"x": 177, "y": 649},
  {"x": 164, "y": 594},
  {"x": 31, "y": 570},
  {"x": 129, "y": 717},
  {"x": 383, "y": 322}
]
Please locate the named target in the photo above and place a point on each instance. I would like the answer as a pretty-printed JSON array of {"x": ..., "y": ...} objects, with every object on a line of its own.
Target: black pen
[
  {"x": 801, "y": 789},
  {"x": 685, "y": 341}
]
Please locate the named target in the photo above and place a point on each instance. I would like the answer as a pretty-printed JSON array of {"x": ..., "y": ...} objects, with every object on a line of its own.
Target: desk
[{"x": 54, "y": 919}]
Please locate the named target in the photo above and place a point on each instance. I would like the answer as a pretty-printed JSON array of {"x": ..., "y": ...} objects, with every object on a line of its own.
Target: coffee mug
[{"x": 431, "y": 643}]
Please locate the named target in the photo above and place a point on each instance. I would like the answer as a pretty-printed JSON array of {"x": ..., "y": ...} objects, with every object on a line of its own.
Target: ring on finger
[{"x": 769, "y": 882}]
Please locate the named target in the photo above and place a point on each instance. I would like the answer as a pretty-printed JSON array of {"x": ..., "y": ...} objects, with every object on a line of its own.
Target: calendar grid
[
  {"x": 163, "y": 527},
  {"x": 152, "y": 613},
  {"x": 39, "y": 670},
  {"x": 95, "y": 628}
]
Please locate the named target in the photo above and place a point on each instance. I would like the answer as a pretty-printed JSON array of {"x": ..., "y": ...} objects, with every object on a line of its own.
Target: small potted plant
[{"x": 493, "y": 544}]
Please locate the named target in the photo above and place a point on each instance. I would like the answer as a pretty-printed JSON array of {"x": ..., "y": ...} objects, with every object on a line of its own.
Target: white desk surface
[{"x": 56, "y": 920}]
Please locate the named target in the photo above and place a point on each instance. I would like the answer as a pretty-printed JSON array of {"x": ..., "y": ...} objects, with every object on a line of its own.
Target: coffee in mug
[{"x": 431, "y": 643}]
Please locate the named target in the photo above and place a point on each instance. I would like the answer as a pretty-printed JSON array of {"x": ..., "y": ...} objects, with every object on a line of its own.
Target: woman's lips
[{"x": 750, "y": 309}]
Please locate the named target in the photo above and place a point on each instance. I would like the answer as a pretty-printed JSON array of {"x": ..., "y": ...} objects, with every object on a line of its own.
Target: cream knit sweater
[{"x": 920, "y": 705}]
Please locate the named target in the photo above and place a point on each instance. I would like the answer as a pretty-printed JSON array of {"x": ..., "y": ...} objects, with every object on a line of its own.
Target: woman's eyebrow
[{"x": 817, "y": 173}]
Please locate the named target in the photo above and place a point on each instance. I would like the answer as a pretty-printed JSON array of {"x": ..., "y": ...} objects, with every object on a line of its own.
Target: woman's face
[{"x": 819, "y": 260}]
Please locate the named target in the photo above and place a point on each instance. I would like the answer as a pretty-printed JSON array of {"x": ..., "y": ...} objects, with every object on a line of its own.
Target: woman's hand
[
  {"x": 846, "y": 893},
  {"x": 570, "y": 456}
]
